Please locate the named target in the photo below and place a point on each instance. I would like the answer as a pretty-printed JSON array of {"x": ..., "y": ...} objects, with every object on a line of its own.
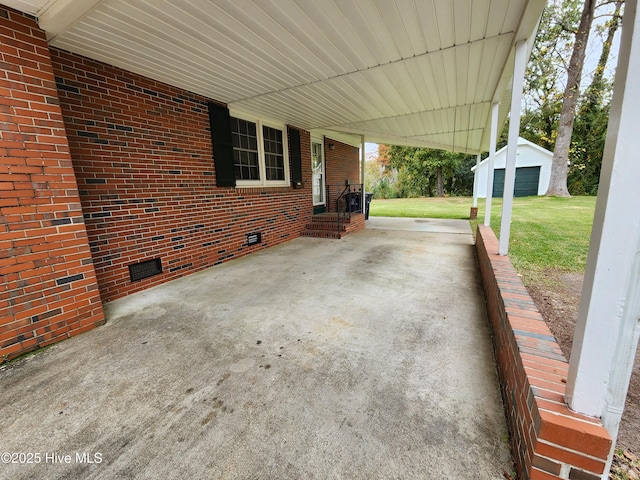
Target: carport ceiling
[{"x": 413, "y": 72}]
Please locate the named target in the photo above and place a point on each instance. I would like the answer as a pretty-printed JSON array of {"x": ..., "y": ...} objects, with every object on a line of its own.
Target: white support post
[
  {"x": 512, "y": 146},
  {"x": 493, "y": 136},
  {"x": 623, "y": 359},
  {"x": 475, "y": 182},
  {"x": 606, "y": 335},
  {"x": 362, "y": 170}
]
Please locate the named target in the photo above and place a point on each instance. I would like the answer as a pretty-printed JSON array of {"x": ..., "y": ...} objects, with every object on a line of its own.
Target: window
[
  {"x": 273, "y": 153},
  {"x": 245, "y": 149},
  {"x": 259, "y": 153}
]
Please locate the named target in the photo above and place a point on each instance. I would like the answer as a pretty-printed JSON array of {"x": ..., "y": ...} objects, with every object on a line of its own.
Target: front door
[{"x": 317, "y": 170}]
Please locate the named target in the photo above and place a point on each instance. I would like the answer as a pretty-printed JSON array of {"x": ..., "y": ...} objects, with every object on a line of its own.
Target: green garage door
[{"x": 527, "y": 179}]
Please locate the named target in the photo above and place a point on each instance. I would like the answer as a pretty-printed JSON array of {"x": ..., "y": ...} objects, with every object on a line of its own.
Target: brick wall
[
  {"x": 48, "y": 290},
  {"x": 549, "y": 440},
  {"x": 341, "y": 164},
  {"x": 142, "y": 154}
]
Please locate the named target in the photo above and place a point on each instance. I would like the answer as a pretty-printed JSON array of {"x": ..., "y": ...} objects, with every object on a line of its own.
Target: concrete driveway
[{"x": 362, "y": 358}]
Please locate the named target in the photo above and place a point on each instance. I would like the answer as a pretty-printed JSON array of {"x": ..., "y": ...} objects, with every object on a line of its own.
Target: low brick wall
[
  {"x": 357, "y": 223},
  {"x": 549, "y": 440}
]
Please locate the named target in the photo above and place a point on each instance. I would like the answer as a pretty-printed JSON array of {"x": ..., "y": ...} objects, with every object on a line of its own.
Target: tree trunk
[
  {"x": 593, "y": 95},
  {"x": 440, "y": 187},
  {"x": 559, "y": 167}
]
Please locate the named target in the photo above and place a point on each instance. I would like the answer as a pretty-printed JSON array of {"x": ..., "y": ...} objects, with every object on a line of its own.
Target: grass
[
  {"x": 448, "y": 207},
  {"x": 5, "y": 362},
  {"x": 546, "y": 232}
]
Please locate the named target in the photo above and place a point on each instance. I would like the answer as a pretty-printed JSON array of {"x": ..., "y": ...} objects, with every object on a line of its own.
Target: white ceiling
[{"x": 414, "y": 72}]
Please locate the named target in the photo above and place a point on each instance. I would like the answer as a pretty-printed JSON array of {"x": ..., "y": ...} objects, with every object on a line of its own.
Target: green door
[
  {"x": 498, "y": 182},
  {"x": 527, "y": 179}
]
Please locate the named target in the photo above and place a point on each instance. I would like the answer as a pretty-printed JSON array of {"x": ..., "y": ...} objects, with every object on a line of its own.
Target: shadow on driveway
[{"x": 367, "y": 357}]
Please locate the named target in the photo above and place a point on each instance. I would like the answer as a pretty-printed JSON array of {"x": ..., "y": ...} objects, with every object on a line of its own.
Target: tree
[
  {"x": 545, "y": 83},
  {"x": 595, "y": 92},
  {"x": 546, "y": 72},
  {"x": 413, "y": 172},
  {"x": 590, "y": 127},
  {"x": 427, "y": 172},
  {"x": 559, "y": 167},
  {"x": 461, "y": 180},
  {"x": 380, "y": 178}
]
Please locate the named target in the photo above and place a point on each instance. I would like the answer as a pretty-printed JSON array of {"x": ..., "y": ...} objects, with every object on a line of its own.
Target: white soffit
[
  {"x": 32, "y": 7},
  {"x": 417, "y": 72}
]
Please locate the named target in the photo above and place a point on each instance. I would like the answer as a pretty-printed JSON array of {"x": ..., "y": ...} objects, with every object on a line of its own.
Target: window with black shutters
[{"x": 260, "y": 154}]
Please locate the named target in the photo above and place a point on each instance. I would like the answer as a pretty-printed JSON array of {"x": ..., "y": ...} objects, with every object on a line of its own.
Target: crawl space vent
[
  {"x": 254, "y": 238},
  {"x": 145, "y": 269}
]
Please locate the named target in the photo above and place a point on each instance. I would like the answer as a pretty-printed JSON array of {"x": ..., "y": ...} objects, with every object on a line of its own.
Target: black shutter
[
  {"x": 222, "y": 145},
  {"x": 296, "y": 157}
]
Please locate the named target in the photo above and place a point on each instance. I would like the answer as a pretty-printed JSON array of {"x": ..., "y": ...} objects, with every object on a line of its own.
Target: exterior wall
[
  {"x": 481, "y": 184},
  {"x": 548, "y": 439},
  {"x": 48, "y": 290},
  {"x": 528, "y": 156},
  {"x": 142, "y": 155},
  {"x": 341, "y": 164}
]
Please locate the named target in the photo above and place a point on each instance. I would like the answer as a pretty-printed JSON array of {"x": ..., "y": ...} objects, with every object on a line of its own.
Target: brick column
[{"x": 48, "y": 290}]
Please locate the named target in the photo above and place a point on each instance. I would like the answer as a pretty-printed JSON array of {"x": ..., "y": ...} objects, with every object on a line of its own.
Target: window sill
[{"x": 248, "y": 184}]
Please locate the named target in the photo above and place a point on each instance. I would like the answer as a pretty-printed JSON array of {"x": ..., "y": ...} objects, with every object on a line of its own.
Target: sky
[{"x": 370, "y": 147}]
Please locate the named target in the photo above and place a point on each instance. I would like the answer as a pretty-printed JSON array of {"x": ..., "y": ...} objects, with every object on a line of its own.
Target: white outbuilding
[{"x": 533, "y": 171}]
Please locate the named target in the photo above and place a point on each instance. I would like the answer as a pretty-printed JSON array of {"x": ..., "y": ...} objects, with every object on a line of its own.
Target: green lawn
[
  {"x": 448, "y": 207},
  {"x": 546, "y": 232}
]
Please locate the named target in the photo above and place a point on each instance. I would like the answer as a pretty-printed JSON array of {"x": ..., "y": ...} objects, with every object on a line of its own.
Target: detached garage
[{"x": 533, "y": 170}]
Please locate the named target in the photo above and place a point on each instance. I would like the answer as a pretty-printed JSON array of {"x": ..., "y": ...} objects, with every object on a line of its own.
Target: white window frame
[{"x": 263, "y": 182}]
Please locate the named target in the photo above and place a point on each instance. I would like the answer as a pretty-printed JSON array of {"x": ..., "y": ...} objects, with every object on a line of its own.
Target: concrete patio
[{"x": 368, "y": 357}]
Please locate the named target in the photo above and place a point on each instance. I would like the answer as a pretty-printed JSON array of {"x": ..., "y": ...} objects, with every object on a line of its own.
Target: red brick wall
[
  {"x": 341, "y": 163},
  {"x": 142, "y": 155},
  {"x": 48, "y": 290},
  {"x": 549, "y": 440}
]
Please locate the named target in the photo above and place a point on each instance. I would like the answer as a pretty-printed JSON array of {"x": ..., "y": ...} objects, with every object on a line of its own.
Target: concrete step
[
  {"x": 326, "y": 226},
  {"x": 331, "y": 217},
  {"x": 323, "y": 234}
]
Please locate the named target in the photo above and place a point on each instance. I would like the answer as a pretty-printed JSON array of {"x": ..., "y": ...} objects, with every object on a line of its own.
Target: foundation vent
[
  {"x": 145, "y": 269},
  {"x": 254, "y": 238}
]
